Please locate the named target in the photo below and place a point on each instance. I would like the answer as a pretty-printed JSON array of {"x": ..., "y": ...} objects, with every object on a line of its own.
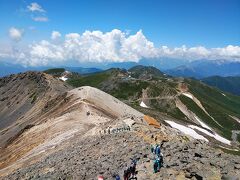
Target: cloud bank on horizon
[
  {"x": 97, "y": 46},
  {"x": 113, "y": 46}
]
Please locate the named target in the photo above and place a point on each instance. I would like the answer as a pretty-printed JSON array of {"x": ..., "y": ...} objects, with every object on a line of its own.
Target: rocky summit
[{"x": 50, "y": 130}]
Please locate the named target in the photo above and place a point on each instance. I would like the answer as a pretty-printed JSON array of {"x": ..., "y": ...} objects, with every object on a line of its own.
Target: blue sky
[
  {"x": 212, "y": 23},
  {"x": 172, "y": 23}
]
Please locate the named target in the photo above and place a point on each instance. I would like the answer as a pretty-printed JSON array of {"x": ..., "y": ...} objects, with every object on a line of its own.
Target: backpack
[{"x": 158, "y": 150}]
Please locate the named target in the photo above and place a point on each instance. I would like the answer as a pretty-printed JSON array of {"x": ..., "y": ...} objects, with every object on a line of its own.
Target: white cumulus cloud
[
  {"x": 113, "y": 46},
  {"x": 55, "y": 35},
  {"x": 35, "y": 7},
  {"x": 15, "y": 34},
  {"x": 194, "y": 53}
]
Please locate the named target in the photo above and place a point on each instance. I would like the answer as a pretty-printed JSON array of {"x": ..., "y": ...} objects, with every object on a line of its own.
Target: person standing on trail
[
  {"x": 126, "y": 173},
  {"x": 152, "y": 148},
  {"x": 158, "y": 163},
  {"x": 117, "y": 177},
  {"x": 155, "y": 166},
  {"x": 133, "y": 168},
  {"x": 158, "y": 150}
]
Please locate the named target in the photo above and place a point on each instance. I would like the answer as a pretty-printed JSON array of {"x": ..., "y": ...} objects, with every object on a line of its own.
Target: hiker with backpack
[
  {"x": 158, "y": 161},
  {"x": 133, "y": 168},
  {"x": 157, "y": 150},
  {"x": 116, "y": 177},
  {"x": 152, "y": 148},
  {"x": 126, "y": 173},
  {"x": 155, "y": 166}
]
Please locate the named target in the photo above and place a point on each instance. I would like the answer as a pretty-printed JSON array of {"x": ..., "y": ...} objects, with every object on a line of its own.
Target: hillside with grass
[
  {"x": 184, "y": 100},
  {"x": 229, "y": 84}
]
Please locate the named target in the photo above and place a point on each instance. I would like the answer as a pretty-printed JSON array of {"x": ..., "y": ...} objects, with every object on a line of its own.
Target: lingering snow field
[
  {"x": 142, "y": 104},
  {"x": 191, "y": 132},
  {"x": 215, "y": 135},
  {"x": 223, "y": 94},
  {"x": 188, "y": 95},
  {"x": 186, "y": 130},
  {"x": 235, "y": 118},
  {"x": 202, "y": 123},
  {"x": 63, "y": 78}
]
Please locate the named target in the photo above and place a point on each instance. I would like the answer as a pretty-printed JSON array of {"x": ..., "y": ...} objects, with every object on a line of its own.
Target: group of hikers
[
  {"x": 130, "y": 171},
  {"x": 110, "y": 130},
  {"x": 158, "y": 159}
]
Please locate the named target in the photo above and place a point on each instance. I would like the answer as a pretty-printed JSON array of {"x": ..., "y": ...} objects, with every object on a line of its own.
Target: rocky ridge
[{"x": 67, "y": 137}]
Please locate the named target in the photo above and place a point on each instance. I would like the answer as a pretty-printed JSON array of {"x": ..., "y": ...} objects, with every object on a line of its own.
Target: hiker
[
  {"x": 133, "y": 167},
  {"x": 152, "y": 148},
  {"x": 155, "y": 166},
  {"x": 158, "y": 160},
  {"x": 126, "y": 173},
  {"x": 113, "y": 130},
  {"x": 161, "y": 160},
  {"x": 117, "y": 177},
  {"x": 157, "y": 150}
]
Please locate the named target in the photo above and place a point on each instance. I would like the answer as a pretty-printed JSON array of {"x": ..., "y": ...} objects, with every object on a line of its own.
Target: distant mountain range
[
  {"x": 174, "y": 67},
  {"x": 8, "y": 68},
  {"x": 205, "y": 68},
  {"x": 161, "y": 63}
]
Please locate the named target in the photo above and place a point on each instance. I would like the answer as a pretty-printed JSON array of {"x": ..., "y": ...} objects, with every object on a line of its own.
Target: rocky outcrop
[{"x": 109, "y": 154}]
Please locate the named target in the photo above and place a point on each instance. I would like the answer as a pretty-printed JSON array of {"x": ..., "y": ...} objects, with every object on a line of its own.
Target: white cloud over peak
[
  {"x": 40, "y": 19},
  {"x": 229, "y": 52},
  {"x": 35, "y": 7},
  {"x": 55, "y": 35},
  {"x": 15, "y": 34},
  {"x": 113, "y": 46}
]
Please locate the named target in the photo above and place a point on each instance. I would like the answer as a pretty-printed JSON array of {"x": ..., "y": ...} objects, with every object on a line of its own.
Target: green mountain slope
[
  {"x": 229, "y": 84},
  {"x": 164, "y": 96}
]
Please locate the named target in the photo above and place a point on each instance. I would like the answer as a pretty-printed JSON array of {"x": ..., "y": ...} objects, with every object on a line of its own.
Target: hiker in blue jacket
[
  {"x": 158, "y": 150},
  {"x": 155, "y": 166}
]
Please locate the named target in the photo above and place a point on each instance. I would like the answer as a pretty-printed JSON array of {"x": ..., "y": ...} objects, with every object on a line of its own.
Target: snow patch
[
  {"x": 202, "y": 123},
  {"x": 229, "y": 148},
  {"x": 63, "y": 78},
  {"x": 186, "y": 130},
  {"x": 223, "y": 94},
  {"x": 235, "y": 118},
  {"x": 188, "y": 95},
  {"x": 142, "y": 104},
  {"x": 215, "y": 135}
]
